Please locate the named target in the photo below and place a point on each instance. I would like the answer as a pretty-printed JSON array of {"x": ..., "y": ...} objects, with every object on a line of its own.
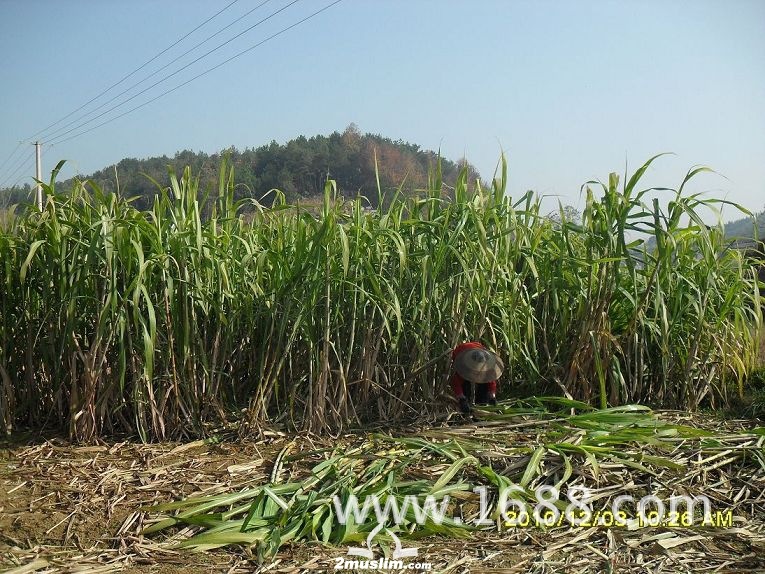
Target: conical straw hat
[{"x": 478, "y": 365}]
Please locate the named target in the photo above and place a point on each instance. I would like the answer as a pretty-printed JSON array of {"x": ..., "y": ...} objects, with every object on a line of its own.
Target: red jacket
[{"x": 457, "y": 380}]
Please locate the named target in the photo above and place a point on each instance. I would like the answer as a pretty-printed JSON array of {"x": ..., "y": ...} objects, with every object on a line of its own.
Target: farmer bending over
[{"x": 475, "y": 366}]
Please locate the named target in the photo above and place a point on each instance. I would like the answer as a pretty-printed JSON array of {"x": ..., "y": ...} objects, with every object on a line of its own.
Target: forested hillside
[
  {"x": 299, "y": 168},
  {"x": 744, "y": 227}
]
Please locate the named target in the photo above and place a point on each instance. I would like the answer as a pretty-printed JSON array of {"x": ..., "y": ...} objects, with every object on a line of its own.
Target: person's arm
[
  {"x": 492, "y": 392},
  {"x": 458, "y": 387}
]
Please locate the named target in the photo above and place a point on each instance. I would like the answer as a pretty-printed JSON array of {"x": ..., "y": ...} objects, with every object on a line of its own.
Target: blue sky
[{"x": 568, "y": 90}]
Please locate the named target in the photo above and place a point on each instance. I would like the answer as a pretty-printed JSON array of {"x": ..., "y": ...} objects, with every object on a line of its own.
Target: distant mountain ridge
[
  {"x": 299, "y": 168},
  {"x": 744, "y": 227}
]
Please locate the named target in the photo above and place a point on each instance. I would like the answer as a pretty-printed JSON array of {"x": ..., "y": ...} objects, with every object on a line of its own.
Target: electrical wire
[
  {"x": 10, "y": 155},
  {"x": 237, "y": 55},
  {"x": 154, "y": 73},
  {"x": 23, "y": 164},
  {"x": 138, "y": 69},
  {"x": 17, "y": 163},
  {"x": 14, "y": 169},
  {"x": 58, "y": 140},
  {"x": 134, "y": 96},
  {"x": 21, "y": 178}
]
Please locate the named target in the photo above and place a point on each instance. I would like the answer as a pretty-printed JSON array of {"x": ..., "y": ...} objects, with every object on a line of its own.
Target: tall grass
[{"x": 160, "y": 322}]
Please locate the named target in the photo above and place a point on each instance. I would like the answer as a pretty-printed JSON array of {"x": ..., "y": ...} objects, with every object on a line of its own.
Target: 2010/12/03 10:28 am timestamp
[
  {"x": 609, "y": 519},
  {"x": 682, "y": 511}
]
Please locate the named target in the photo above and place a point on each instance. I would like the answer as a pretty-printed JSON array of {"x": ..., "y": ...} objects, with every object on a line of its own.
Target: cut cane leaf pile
[
  {"x": 132, "y": 507},
  {"x": 622, "y": 450}
]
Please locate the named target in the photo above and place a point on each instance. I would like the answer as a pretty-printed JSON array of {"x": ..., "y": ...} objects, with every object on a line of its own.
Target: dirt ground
[{"x": 67, "y": 509}]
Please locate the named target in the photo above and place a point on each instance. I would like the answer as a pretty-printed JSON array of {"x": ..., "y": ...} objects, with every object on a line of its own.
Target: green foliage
[
  {"x": 160, "y": 321},
  {"x": 746, "y": 227},
  {"x": 435, "y": 463},
  {"x": 298, "y": 168}
]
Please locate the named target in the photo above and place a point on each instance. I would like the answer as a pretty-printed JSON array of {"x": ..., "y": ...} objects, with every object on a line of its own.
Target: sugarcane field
[
  {"x": 292, "y": 391},
  {"x": 440, "y": 287}
]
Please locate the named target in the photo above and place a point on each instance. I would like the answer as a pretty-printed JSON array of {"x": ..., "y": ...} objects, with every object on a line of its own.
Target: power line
[
  {"x": 154, "y": 73},
  {"x": 16, "y": 166},
  {"x": 138, "y": 69},
  {"x": 54, "y": 137},
  {"x": 10, "y": 155},
  {"x": 6, "y": 201},
  {"x": 12, "y": 160},
  {"x": 22, "y": 177},
  {"x": 13, "y": 173},
  {"x": 14, "y": 169},
  {"x": 279, "y": 33},
  {"x": 25, "y": 165}
]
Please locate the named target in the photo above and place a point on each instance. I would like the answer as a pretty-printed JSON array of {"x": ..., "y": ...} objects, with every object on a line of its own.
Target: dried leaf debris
[{"x": 67, "y": 509}]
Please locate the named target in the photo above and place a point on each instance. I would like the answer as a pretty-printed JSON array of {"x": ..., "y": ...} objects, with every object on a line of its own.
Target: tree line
[{"x": 298, "y": 168}]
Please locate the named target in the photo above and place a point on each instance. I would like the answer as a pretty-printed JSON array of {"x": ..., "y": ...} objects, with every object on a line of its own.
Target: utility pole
[{"x": 38, "y": 174}]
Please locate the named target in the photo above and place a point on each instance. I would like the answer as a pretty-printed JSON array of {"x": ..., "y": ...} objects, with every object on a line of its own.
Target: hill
[
  {"x": 740, "y": 231},
  {"x": 744, "y": 227},
  {"x": 299, "y": 168}
]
